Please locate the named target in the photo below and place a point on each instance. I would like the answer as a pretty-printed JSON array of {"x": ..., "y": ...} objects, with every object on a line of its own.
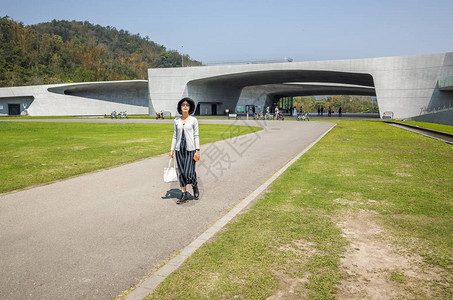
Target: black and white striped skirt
[{"x": 186, "y": 165}]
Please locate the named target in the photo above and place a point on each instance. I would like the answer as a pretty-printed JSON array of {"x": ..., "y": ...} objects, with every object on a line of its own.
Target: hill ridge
[{"x": 62, "y": 51}]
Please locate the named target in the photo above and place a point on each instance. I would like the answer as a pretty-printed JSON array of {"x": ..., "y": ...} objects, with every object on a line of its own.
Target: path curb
[{"x": 157, "y": 277}]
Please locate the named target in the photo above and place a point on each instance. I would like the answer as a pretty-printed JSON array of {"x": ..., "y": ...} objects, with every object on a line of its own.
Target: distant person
[
  {"x": 300, "y": 110},
  {"x": 329, "y": 111},
  {"x": 322, "y": 110},
  {"x": 339, "y": 111},
  {"x": 319, "y": 110},
  {"x": 294, "y": 112},
  {"x": 276, "y": 112},
  {"x": 186, "y": 143}
]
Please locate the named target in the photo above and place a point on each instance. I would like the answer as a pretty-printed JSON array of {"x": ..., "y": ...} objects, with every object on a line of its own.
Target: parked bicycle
[
  {"x": 303, "y": 116},
  {"x": 115, "y": 115},
  {"x": 123, "y": 114}
]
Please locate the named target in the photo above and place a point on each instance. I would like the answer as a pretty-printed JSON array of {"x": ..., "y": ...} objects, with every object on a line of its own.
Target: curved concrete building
[
  {"x": 406, "y": 86},
  {"x": 417, "y": 87},
  {"x": 76, "y": 99}
]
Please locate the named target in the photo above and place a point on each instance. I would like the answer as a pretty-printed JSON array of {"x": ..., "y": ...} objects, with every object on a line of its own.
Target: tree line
[
  {"x": 350, "y": 104},
  {"x": 72, "y": 51}
]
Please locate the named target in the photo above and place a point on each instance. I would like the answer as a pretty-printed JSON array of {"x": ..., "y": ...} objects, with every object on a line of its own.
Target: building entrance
[
  {"x": 285, "y": 105},
  {"x": 206, "y": 109},
  {"x": 14, "y": 109}
]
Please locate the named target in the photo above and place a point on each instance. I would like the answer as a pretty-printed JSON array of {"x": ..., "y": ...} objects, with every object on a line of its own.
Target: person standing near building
[{"x": 186, "y": 144}]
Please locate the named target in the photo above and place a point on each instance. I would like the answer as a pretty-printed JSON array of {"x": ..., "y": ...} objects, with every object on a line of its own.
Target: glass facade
[{"x": 285, "y": 104}]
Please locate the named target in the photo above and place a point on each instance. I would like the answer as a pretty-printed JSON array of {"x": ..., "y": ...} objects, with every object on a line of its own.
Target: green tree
[{"x": 67, "y": 51}]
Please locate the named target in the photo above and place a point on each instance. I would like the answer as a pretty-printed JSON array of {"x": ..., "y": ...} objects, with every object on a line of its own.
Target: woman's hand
[
  {"x": 170, "y": 155},
  {"x": 197, "y": 154}
]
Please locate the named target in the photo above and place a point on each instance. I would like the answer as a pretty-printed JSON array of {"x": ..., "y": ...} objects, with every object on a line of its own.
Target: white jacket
[{"x": 190, "y": 133}]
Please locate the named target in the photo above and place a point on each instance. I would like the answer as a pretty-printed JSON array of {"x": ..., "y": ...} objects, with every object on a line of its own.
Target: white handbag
[{"x": 170, "y": 173}]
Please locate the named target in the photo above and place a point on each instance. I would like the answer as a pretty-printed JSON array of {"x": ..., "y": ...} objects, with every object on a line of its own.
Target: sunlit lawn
[
  {"x": 438, "y": 127},
  {"x": 35, "y": 153},
  {"x": 290, "y": 235}
]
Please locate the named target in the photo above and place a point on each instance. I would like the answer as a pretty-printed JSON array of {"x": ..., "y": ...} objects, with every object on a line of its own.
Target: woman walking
[{"x": 186, "y": 143}]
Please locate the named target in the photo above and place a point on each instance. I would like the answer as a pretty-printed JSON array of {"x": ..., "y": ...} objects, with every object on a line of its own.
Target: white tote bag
[{"x": 170, "y": 173}]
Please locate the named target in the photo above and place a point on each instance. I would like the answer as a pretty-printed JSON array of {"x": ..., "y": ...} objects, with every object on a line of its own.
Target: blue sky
[{"x": 216, "y": 31}]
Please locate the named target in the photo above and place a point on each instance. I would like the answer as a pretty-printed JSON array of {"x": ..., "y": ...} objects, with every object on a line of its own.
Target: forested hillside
[{"x": 70, "y": 51}]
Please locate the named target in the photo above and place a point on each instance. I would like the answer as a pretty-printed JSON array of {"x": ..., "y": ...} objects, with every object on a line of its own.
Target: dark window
[{"x": 13, "y": 109}]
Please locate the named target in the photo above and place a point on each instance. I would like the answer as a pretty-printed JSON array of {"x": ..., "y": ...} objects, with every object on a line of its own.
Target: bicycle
[
  {"x": 303, "y": 116},
  {"x": 123, "y": 115}
]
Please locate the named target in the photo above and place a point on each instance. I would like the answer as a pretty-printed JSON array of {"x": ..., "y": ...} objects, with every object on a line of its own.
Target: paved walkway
[{"x": 96, "y": 235}]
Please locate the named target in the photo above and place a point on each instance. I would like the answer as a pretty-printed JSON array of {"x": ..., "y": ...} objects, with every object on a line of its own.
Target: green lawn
[
  {"x": 40, "y": 117},
  {"x": 433, "y": 126},
  {"x": 36, "y": 153},
  {"x": 290, "y": 235}
]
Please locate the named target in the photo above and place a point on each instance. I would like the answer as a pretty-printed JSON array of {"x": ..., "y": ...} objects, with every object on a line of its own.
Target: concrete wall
[
  {"x": 441, "y": 117},
  {"x": 405, "y": 85},
  {"x": 95, "y": 98},
  {"x": 24, "y": 103}
]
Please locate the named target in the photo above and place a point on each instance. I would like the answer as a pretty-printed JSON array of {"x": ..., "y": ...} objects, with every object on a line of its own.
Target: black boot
[
  {"x": 196, "y": 192},
  {"x": 183, "y": 198}
]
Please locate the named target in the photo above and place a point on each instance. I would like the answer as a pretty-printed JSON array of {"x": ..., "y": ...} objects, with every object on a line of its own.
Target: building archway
[{"x": 264, "y": 88}]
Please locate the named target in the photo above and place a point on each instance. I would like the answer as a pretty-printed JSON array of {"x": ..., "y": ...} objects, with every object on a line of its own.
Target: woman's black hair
[{"x": 191, "y": 103}]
